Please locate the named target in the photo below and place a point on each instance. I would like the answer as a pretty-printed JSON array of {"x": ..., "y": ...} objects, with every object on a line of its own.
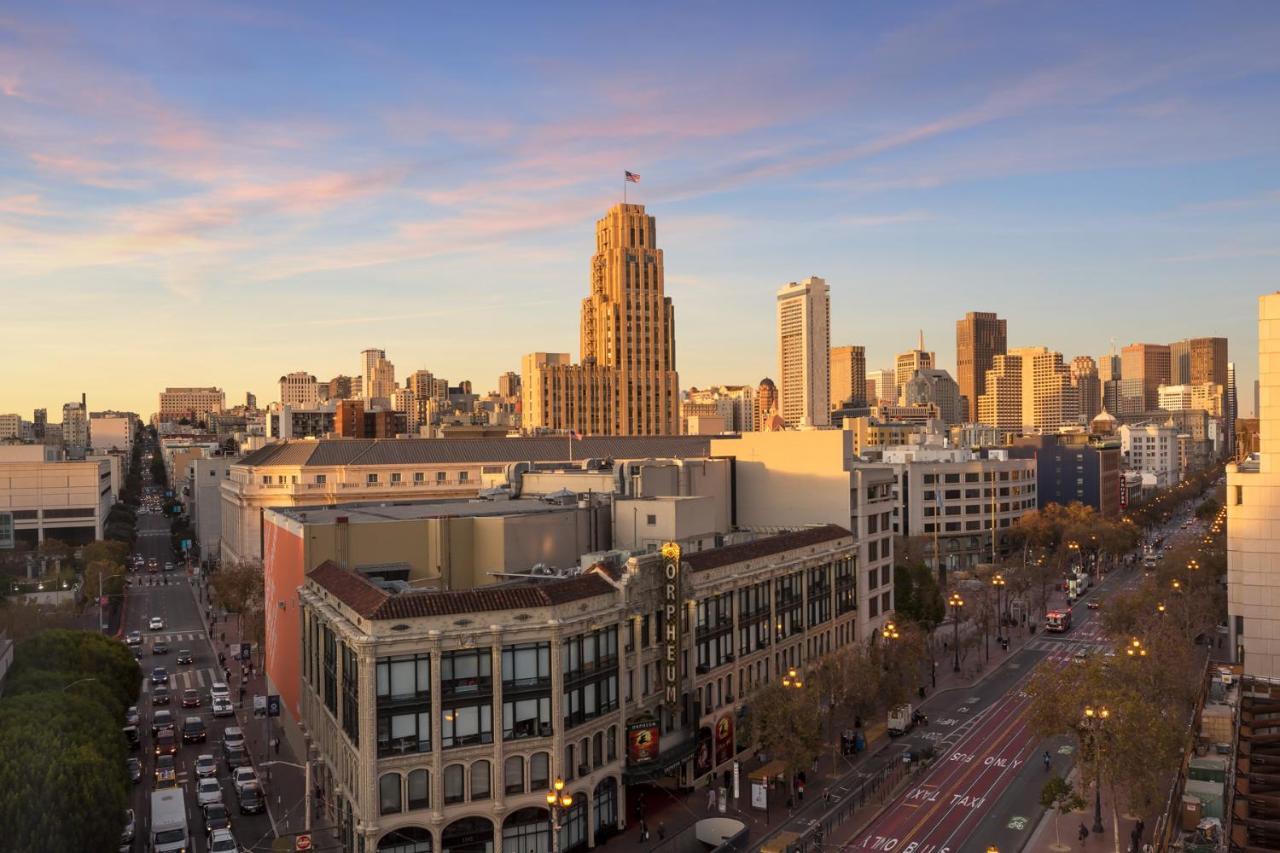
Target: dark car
[
  {"x": 160, "y": 696},
  {"x": 166, "y": 743},
  {"x": 159, "y": 675},
  {"x": 235, "y": 757},
  {"x": 216, "y": 817},
  {"x": 184, "y": 656},
  {"x": 131, "y": 735},
  {"x": 251, "y": 801},
  {"x": 159, "y": 648},
  {"x": 191, "y": 698},
  {"x": 193, "y": 730},
  {"x": 161, "y": 720},
  {"x": 134, "y": 766}
]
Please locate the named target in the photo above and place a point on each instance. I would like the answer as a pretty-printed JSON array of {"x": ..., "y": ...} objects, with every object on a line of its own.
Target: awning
[
  {"x": 667, "y": 761},
  {"x": 768, "y": 772}
]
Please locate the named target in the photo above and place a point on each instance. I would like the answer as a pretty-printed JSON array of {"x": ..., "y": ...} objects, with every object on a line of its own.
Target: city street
[{"x": 183, "y": 629}]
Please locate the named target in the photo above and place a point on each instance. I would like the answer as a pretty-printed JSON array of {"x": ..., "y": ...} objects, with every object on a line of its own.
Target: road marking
[
  {"x": 1066, "y": 749},
  {"x": 1017, "y": 822}
]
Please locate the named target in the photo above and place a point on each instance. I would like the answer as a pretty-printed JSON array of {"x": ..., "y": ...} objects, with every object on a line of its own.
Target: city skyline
[{"x": 166, "y": 204}]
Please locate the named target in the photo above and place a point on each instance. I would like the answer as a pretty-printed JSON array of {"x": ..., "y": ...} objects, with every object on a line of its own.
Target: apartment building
[
  {"x": 112, "y": 431},
  {"x": 1152, "y": 449},
  {"x": 1074, "y": 467},
  {"x": 299, "y": 390},
  {"x": 194, "y": 404},
  {"x": 804, "y": 352}
]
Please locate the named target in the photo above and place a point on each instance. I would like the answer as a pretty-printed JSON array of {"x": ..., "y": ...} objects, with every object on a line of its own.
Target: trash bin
[{"x": 1191, "y": 811}]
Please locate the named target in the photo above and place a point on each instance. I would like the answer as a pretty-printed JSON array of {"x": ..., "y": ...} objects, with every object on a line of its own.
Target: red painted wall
[{"x": 283, "y": 570}]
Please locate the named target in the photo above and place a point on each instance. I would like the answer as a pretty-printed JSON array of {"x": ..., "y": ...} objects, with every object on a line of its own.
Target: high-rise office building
[
  {"x": 509, "y": 385},
  {"x": 906, "y": 365},
  {"x": 1180, "y": 363},
  {"x": 1232, "y": 409},
  {"x": 1148, "y": 365},
  {"x": 980, "y": 337},
  {"x": 804, "y": 352},
  {"x": 848, "y": 376},
  {"x": 75, "y": 426},
  {"x": 1000, "y": 405},
  {"x": 40, "y": 420},
  {"x": 882, "y": 388},
  {"x": 627, "y": 383},
  {"x": 937, "y": 387},
  {"x": 766, "y": 405},
  {"x": 1049, "y": 400},
  {"x": 299, "y": 390},
  {"x": 1208, "y": 361},
  {"x": 379, "y": 375},
  {"x": 1084, "y": 376}
]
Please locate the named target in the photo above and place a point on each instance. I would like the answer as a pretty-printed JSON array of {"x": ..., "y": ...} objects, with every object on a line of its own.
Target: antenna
[{"x": 922, "y": 340}]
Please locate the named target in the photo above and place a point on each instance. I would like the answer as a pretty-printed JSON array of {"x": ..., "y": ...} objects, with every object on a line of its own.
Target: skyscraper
[
  {"x": 1149, "y": 367},
  {"x": 906, "y": 365},
  {"x": 40, "y": 420},
  {"x": 379, "y": 375},
  {"x": 766, "y": 403},
  {"x": 848, "y": 376},
  {"x": 1049, "y": 400},
  {"x": 804, "y": 352},
  {"x": 1208, "y": 361},
  {"x": 1001, "y": 403},
  {"x": 1084, "y": 376},
  {"x": 75, "y": 426},
  {"x": 1232, "y": 408},
  {"x": 1180, "y": 363},
  {"x": 299, "y": 390},
  {"x": 980, "y": 337},
  {"x": 882, "y": 388},
  {"x": 627, "y": 382}
]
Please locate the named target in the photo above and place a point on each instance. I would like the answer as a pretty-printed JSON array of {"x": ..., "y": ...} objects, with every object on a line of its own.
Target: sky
[{"x": 221, "y": 193}]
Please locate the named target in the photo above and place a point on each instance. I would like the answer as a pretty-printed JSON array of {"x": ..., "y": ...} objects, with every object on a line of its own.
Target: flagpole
[{"x": 624, "y": 187}]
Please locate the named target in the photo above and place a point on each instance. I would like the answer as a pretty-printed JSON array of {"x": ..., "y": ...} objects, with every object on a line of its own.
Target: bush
[{"x": 84, "y": 654}]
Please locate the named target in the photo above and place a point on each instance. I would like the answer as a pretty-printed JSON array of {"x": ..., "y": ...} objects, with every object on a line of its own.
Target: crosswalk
[
  {"x": 185, "y": 678},
  {"x": 180, "y": 637}
]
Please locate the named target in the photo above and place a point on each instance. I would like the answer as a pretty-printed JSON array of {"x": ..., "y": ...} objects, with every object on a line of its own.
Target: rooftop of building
[
  {"x": 765, "y": 547},
  {"x": 374, "y": 512},
  {"x": 420, "y": 451}
]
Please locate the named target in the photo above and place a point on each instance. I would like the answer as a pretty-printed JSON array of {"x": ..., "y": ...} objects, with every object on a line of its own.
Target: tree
[
  {"x": 787, "y": 722},
  {"x": 1059, "y": 795},
  {"x": 21, "y": 619},
  {"x": 86, "y": 654},
  {"x": 239, "y": 589}
]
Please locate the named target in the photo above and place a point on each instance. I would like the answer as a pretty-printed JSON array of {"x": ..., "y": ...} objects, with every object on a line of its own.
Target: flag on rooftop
[{"x": 632, "y": 177}]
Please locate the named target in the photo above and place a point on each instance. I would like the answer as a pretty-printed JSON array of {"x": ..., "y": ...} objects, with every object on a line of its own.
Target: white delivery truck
[
  {"x": 169, "y": 822},
  {"x": 901, "y": 720}
]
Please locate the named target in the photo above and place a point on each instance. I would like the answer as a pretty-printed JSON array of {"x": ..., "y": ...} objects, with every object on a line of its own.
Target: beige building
[
  {"x": 10, "y": 426},
  {"x": 194, "y": 404},
  {"x": 734, "y": 405},
  {"x": 980, "y": 337},
  {"x": 378, "y": 376},
  {"x": 112, "y": 430},
  {"x": 1049, "y": 400},
  {"x": 299, "y": 390},
  {"x": 766, "y": 405},
  {"x": 50, "y": 497},
  {"x": 784, "y": 479},
  {"x": 1088, "y": 385},
  {"x": 848, "y": 376},
  {"x": 1207, "y": 397},
  {"x": 1000, "y": 406},
  {"x": 906, "y": 365},
  {"x": 804, "y": 352},
  {"x": 1147, "y": 366},
  {"x": 873, "y": 433},
  {"x": 882, "y": 387},
  {"x": 1253, "y": 514},
  {"x": 626, "y": 383},
  {"x": 75, "y": 426}
]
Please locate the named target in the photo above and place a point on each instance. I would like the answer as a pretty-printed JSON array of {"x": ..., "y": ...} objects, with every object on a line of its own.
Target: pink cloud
[{"x": 24, "y": 205}]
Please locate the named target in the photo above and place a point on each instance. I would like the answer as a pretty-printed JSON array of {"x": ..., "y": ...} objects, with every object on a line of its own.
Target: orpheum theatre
[{"x": 443, "y": 718}]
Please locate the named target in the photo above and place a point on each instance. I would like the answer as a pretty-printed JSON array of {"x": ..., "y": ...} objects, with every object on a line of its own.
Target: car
[
  {"x": 222, "y": 708},
  {"x": 208, "y": 791},
  {"x": 235, "y": 757},
  {"x": 216, "y": 817},
  {"x": 220, "y": 690},
  {"x": 126, "y": 835},
  {"x": 159, "y": 648},
  {"x": 191, "y": 698},
  {"x": 168, "y": 567},
  {"x": 222, "y": 841},
  {"x": 166, "y": 772},
  {"x": 156, "y": 624},
  {"x": 131, "y": 717},
  {"x": 251, "y": 799},
  {"x": 134, "y": 739},
  {"x": 162, "y": 719},
  {"x": 1094, "y": 604},
  {"x": 160, "y": 695},
  {"x": 166, "y": 743},
  {"x": 233, "y": 736},
  {"x": 159, "y": 675},
  {"x": 185, "y": 656},
  {"x": 206, "y": 765},
  {"x": 134, "y": 767},
  {"x": 134, "y": 638},
  {"x": 242, "y": 776},
  {"x": 193, "y": 730}
]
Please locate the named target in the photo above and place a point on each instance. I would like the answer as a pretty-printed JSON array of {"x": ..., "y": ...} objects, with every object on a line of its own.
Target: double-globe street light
[
  {"x": 955, "y": 602},
  {"x": 999, "y": 583},
  {"x": 558, "y": 802},
  {"x": 1094, "y": 718}
]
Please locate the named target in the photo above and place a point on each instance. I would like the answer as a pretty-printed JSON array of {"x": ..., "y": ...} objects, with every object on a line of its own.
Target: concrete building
[
  {"x": 1148, "y": 366},
  {"x": 626, "y": 383},
  {"x": 784, "y": 479},
  {"x": 1180, "y": 363},
  {"x": 1088, "y": 385},
  {"x": 882, "y": 387},
  {"x": 1253, "y": 513},
  {"x": 441, "y": 717},
  {"x": 203, "y": 498},
  {"x": 1207, "y": 360},
  {"x": 308, "y": 473},
  {"x": 10, "y": 426},
  {"x": 378, "y": 375},
  {"x": 75, "y": 427},
  {"x": 1206, "y": 397},
  {"x": 315, "y": 421},
  {"x": 980, "y": 337},
  {"x": 113, "y": 430},
  {"x": 933, "y": 386},
  {"x": 871, "y": 434},
  {"x": 804, "y": 352},
  {"x": 299, "y": 390},
  {"x": 734, "y": 405},
  {"x": 962, "y": 501},
  {"x": 1074, "y": 467},
  {"x": 1049, "y": 400},
  {"x": 1000, "y": 405},
  {"x": 1232, "y": 408},
  {"x": 766, "y": 404},
  {"x": 50, "y": 497},
  {"x": 340, "y": 387},
  {"x": 194, "y": 404},
  {"x": 848, "y": 376},
  {"x": 907, "y": 364},
  {"x": 1152, "y": 449},
  {"x": 39, "y": 421}
]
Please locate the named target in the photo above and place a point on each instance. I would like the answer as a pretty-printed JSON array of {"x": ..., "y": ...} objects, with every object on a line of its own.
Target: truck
[
  {"x": 1058, "y": 621},
  {"x": 169, "y": 822},
  {"x": 901, "y": 720}
]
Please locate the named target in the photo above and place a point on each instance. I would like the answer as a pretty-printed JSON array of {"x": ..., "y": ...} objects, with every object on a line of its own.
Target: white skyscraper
[{"x": 804, "y": 352}]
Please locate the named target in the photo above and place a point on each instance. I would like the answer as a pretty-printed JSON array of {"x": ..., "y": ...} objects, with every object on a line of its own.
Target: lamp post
[
  {"x": 1160, "y": 608},
  {"x": 1135, "y": 649},
  {"x": 792, "y": 680},
  {"x": 1093, "y": 720},
  {"x": 558, "y": 802},
  {"x": 999, "y": 583},
  {"x": 955, "y": 602}
]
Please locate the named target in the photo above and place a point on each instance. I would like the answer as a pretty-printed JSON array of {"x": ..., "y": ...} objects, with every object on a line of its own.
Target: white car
[
  {"x": 206, "y": 766},
  {"x": 243, "y": 776},
  {"x": 222, "y": 708},
  {"x": 134, "y": 638},
  {"x": 219, "y": 690},
  {"x": 156, "y": 624},
  {"x": 208, "y": 791},
  {"x": 222, "y": 841},
  {"x": 233, "y": 736}
]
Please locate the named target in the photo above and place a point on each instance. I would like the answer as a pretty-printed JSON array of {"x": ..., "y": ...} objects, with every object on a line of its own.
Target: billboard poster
[
  {"x": 724, "y": 739},
  {"x": 642, "y": 741},
  {"x": 702, "y": 754}
]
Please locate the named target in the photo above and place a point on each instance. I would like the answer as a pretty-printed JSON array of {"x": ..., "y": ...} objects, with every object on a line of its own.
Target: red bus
[{"x": 1057, "y": 621}]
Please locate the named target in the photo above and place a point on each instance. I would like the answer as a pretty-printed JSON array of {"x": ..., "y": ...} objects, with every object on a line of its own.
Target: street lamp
[
  {"x": 890, "y": 631},
  {"x": 792, "y": 679},
  {"x": 78, "y": 681},
  {"x": 1160, "y": 608},
  {"x": 1193, "y": 564},
  {"x": 955, "y": 602},
  {"x": 1177, "y": 585},
  {"x": 558, "y": 802},
  {"x": 1093, "y": 720},
  {"x": 999, "y": 583},
  {"x": 1135, "y": 649}
]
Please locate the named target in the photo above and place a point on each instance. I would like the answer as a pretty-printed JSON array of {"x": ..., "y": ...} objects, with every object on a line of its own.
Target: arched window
[
  {"x": 419, "y": 789},
  {"x": 597, "y": 750},
  {"x": 454, "y": 792},
  {"x": 526, "y": 831},
  {"x": 513, "y": 775},
  {"x": 389, "y": 793},
  {"x": 604, "y": 808},
  {"x": 584, "y": 756},
  {"x": 408, "y": 839},
  {"x": 468, "y": 835},
  {"x": 540, "y": 771},
  {"x": 480, "y": 780}
]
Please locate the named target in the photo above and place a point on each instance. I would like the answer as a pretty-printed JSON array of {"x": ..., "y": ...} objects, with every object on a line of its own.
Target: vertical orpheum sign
[{"x": 671, "y": 604}]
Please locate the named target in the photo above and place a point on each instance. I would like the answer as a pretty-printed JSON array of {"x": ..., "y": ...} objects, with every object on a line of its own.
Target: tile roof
[
  {"x": 764, "y": 547},
  {"x": 411, "y": 451},
  {"x": 369, "y": 601}
]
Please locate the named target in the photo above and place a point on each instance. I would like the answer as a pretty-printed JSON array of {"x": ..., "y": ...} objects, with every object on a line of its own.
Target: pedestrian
[
  {"x": 662, "y": 831},
  {"x": 1083, "y": 832},
  {"x": 711, "y": 798},
  {"x": 644, "y": 831},
  {"x": 277, "y": 746},
  {"x": 826, "y": 795}
]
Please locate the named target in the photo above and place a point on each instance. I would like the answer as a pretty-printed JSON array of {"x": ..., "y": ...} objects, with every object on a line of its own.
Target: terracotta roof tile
[
  {"x": 351, "y": 588},
  {"x": 764, "y": 547}
]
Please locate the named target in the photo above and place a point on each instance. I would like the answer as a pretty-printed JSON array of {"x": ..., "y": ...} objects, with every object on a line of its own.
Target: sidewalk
[
  {"x": 285, "y": 785},
  {"x": 1117, "y": 828},
  {"x": 840, "y": 776}
]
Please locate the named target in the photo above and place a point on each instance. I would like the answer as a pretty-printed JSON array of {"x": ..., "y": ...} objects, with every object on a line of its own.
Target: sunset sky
[{"x": 219, "y": 193}]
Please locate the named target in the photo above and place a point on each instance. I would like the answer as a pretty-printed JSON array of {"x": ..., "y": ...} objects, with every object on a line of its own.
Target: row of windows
[{"x": 412, "y": 791}]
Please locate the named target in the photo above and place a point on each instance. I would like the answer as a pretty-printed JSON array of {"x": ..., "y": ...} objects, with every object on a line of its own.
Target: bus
[
  {"x": 169, "y": 821},
  {"x": 1057, "y": 621}
]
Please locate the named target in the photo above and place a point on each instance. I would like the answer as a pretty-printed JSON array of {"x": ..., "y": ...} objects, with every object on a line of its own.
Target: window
[
  {"x": 526, "y": 665},
  {"x": 480, "y": 781},
  {"x": 462, "y": 476},
  {"x": 589, "y": 663},
  {"x": 330, "y": 672},
  {"x": 389, "y": 793},
  {"x": 465, "y": 672},
  {"x": 439, "y": 476},
  {"x": 419, "y": 477},
  {"x": 396, "y": 478},
  {"x": 403, "y": 686},
  {"x": 419, "y": 789},
  {"x": 522, "y": 718},
  {"x": 464, "y": 725},
  {"x": 266, "y": 479},
  {"x": 321, "y": 479},
  {"x": 350, "y": 694},
  {"x": 453, "y": 784},
  {"x": 513, "y": 775},
  {"x": 539, "y": 770},
  {"x": 597, "y": 750},
  {"x": 371, "y": 479},
  {"x": 651, "y": 520}
]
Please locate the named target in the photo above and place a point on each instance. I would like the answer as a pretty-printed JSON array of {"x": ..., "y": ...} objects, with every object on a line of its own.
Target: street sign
[
  {"x": 302, "y": 842},
  {"x": 103, "y": 601},
  {"x": 273, "y": 705},
  {"x": 245, "y": 651},
  {"x": 259, "y": 706}
]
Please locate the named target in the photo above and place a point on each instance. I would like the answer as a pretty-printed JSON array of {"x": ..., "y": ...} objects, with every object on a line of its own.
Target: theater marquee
[{"x": 671, "y": 603}]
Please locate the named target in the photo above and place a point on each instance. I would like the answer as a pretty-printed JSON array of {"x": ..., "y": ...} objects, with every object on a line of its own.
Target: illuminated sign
[
  {"x": 671, "y": 603},
  {"x": 642, "y": 741}
]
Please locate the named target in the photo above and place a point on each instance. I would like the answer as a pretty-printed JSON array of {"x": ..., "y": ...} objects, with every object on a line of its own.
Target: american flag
[
  {"x": 574, "y": 435},
  {"x": 632, "y": 177}
]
